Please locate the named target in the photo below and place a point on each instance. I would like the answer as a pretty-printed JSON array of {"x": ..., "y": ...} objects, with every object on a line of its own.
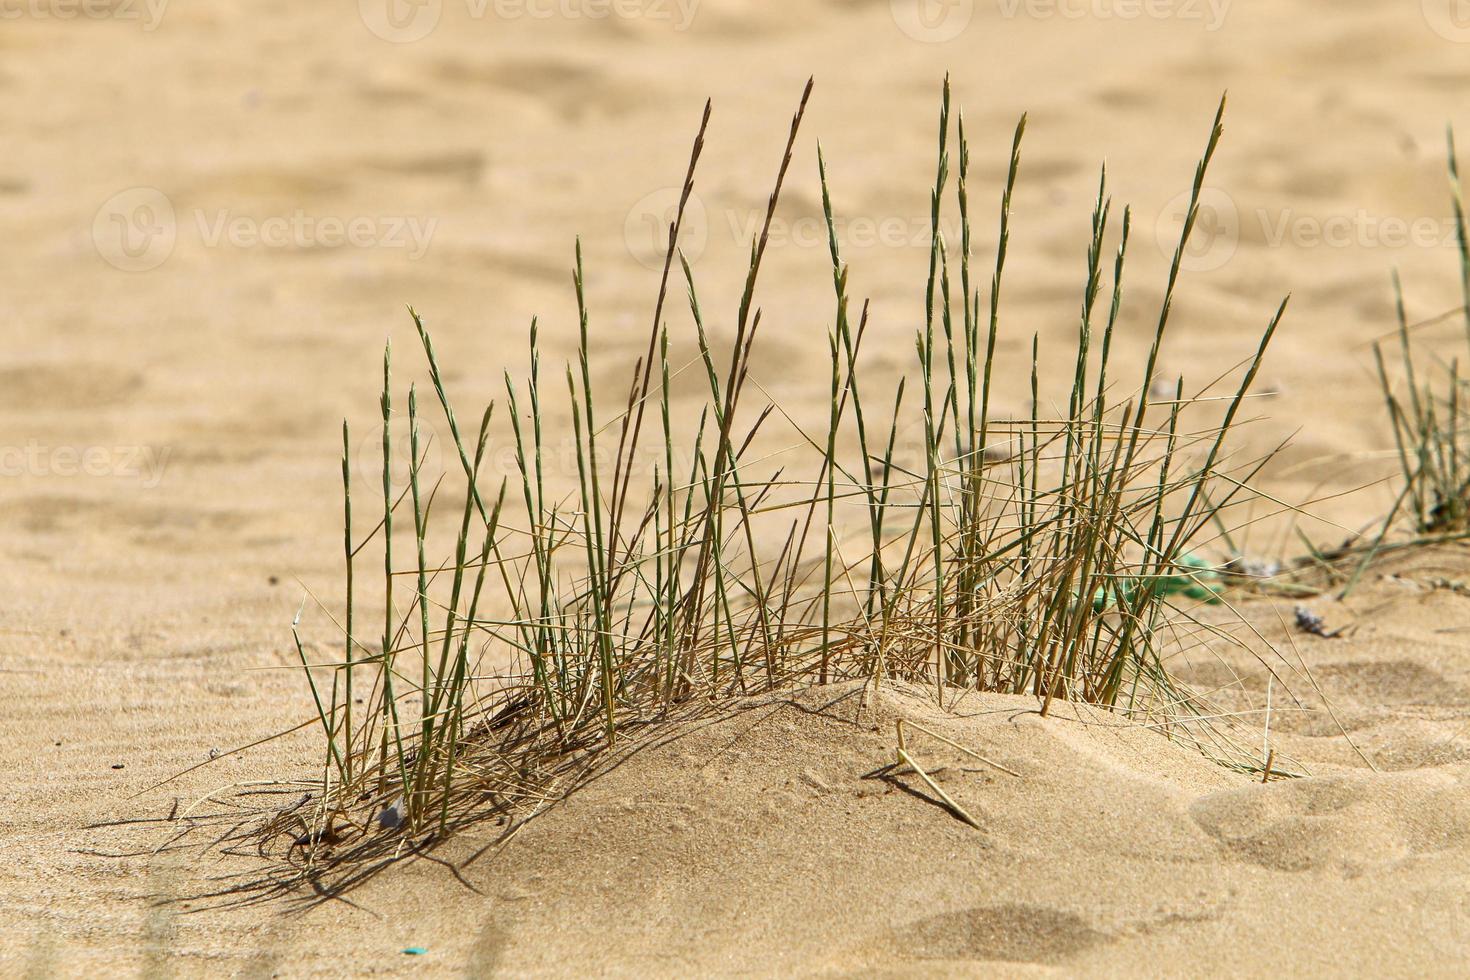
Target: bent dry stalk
[{"x": 629, "y": 600}]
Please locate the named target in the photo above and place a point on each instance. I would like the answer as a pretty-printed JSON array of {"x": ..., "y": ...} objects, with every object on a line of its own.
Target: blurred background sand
[{"x": 215, "y": 213}]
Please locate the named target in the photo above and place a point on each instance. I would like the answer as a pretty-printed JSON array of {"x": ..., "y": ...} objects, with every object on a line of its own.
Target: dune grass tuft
[
  {"x": 1049, "y": 556},
  {"x": 1429, "y": 409}
]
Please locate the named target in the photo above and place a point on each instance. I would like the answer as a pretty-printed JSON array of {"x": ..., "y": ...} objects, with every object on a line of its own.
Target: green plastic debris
[
  {"x": 415, "y": 951},
  {"x": 1196, "y": 579}
]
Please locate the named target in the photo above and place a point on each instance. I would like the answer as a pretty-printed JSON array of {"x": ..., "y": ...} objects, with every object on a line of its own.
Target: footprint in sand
[
  {"x": 1349, "y": 823},
  {"x": 1012, "y": 933}
]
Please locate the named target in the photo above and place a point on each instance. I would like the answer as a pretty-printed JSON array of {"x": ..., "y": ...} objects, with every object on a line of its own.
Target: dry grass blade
[{"x": 955, "y": 745}]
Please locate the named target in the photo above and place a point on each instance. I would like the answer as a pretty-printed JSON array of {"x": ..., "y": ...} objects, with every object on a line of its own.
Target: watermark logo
[
  {"x": 1216, "y": 231},
  {"x": 1210, "y": 14},
  {"x": 860, "y": 232},
  {"x": 303, "y": 230},
  {"x": 144, "y": 464},
  {"x": 404, "y": 21},
  {"x": 401, "y": 21},
  {"x": 147, "y": 13},
  {"x": 1444, "y": 915},
  {"x": 1221, "y": 226},
  {"x": 367, "y": 449},
  {"x": 646, "y": 228},
  {"x": 937, "y": 21},
  {"x": 932, "y": 21},
  {"x": 135, "y": 230},
  {"x": 439, "y": 458},
  {"x": 1450, "y": 19}
]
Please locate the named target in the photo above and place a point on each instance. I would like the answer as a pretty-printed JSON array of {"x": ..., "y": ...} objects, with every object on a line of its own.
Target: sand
[{"x": 213, "y": 216}]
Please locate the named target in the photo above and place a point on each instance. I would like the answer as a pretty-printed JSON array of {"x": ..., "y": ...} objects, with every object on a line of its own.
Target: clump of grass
[
  {"x": 1046, "y": 556},
  {"x": 1429, "y": 410}
]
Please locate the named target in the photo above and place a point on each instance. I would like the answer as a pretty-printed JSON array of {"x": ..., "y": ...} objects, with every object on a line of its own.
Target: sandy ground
[{"x": 215, "y": 212}]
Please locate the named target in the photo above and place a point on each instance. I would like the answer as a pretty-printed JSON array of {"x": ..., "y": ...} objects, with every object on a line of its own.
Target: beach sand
[{"x": 214, "y": 215}]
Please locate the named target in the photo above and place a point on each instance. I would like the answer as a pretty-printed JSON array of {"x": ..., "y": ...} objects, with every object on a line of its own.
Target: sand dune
[{"x": 188, "y": 323}]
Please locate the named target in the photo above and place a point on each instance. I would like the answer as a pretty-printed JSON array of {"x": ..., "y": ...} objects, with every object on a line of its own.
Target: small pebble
[
  {"x": 815, "y": 781},
  {"x": 1309, "y": 622},
  {"x": 391, "y": 817}
]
